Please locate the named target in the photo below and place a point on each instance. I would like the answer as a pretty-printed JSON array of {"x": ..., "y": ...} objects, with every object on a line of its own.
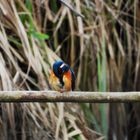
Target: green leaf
[
  {"x": 40, "y": 36},
  {"x": 29, "y": 5}
]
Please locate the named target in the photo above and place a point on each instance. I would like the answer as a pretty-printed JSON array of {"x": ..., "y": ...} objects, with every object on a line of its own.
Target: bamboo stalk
[{"x": 75, "y": 96}]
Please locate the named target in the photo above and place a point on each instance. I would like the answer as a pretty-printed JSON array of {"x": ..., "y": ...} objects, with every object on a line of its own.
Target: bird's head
[{"x": 59, "y": 68}]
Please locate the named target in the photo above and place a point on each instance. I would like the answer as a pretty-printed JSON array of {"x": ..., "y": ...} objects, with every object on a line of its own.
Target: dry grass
[{"x": 103, "y": 48}]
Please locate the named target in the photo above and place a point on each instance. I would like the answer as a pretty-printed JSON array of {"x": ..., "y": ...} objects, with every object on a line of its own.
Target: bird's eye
[{"x": 59, "y": 71}]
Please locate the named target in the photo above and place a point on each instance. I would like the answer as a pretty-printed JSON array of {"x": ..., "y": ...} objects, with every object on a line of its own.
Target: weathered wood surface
[{"x": 75, "y": 96}]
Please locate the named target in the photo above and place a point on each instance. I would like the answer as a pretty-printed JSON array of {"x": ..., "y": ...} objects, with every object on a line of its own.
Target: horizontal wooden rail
[{"x": 75, "y": 96}]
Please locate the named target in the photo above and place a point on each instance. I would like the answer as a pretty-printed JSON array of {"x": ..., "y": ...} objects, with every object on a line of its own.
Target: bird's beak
[{"x": 67, "y": 4}]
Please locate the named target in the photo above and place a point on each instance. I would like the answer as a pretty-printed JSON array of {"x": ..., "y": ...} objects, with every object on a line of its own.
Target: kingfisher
[{"x": 62, "y": 77}]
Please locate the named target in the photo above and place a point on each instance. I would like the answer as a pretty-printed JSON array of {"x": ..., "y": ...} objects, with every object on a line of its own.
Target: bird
[{"x": 62, "y": 77}]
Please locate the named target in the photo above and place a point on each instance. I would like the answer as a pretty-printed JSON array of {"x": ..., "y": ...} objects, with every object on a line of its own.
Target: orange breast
[
  {"x": 55, "y": 82},
  {"x": 67, "y": 81}
]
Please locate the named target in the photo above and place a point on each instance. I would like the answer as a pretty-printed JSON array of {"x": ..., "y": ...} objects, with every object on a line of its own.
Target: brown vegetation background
[{"x": 103, "y": 48}]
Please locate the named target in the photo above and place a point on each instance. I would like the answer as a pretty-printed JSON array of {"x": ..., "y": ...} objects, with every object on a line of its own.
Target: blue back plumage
[
  {"x": 56, "y": 66},
  {"x": 73, "y": 75},
  {"x": 59, "y": 67}
]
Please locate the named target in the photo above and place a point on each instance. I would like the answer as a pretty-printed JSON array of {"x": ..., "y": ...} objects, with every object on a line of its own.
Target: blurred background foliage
[{"x": 103, "y": 49}]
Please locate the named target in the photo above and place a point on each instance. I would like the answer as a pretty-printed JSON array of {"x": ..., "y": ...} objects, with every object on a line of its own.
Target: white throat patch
[{"x": 62, "y": 65}]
